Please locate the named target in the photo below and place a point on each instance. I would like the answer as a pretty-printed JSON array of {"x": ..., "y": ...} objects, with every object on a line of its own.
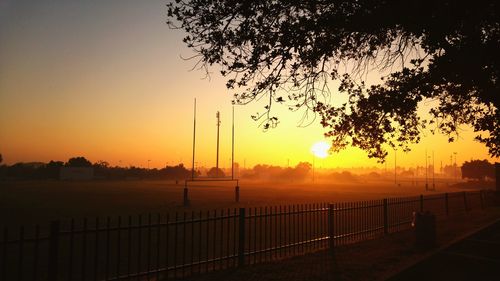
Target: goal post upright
[
  {"x": 232, "y": 148},
  {"x": 194, "y": 139},
  {"x": 217, "y": 115},
  {"x": 186, "y": 200}
]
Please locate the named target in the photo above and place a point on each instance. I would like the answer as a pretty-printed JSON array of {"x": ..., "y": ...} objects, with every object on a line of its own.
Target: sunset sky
[{"x": 105, "y": 79}]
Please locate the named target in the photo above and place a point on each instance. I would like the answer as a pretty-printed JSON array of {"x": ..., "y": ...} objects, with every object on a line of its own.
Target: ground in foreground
[{"x": 371, "y": 260}]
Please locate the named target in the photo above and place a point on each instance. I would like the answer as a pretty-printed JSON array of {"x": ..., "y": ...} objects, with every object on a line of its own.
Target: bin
[{"x": 425, "y": 229}]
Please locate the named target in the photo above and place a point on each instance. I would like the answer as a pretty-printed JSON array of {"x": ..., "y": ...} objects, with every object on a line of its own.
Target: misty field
[
  {"x": 121, "y": 229},
  {"x": 30, "y": 202}
]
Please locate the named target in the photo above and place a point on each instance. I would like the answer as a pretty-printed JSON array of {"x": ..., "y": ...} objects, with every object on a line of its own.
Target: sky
[{"x": 106, "y": 79}]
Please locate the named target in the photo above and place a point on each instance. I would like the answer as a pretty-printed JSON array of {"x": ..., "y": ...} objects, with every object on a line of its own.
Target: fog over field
[{"x": 33, "y": 202}]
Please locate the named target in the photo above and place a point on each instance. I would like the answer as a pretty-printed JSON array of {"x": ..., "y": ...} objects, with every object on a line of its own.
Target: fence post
[
  {"x": 241, "y": 239},
  {"x": 331, "y": 235},
  {"x": 465, "y": 201},
  {"x": 237, "y": 193},
  {"x": 186, "y": 198},
  {"x": 421, "y": 203},
  {"x": 53, "y": 249},
  {"x": 446, "y": 204},
  {"x": 386, "y": 222}
]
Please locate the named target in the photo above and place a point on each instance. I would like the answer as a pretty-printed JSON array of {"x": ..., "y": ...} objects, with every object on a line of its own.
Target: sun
[{"x": 320, "y": 149}]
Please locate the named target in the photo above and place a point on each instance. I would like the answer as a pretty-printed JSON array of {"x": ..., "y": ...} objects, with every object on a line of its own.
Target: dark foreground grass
[
  {"x": 38, "y": 202},
  {"x": 369, "y": 260}
]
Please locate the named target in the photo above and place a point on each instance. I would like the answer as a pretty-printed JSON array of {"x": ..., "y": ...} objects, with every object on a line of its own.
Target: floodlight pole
[
  {"x": 426, "y": 172},
  {"x": 217, "y": 115},
  {"x": 232, "y": 148},
  {"x": 455, "y": 167},
  {"x": 414, "y": 174},
  {"x": 395, "y": 167},
  {"x": 194, "y": 138},
  {"x": 433, "y": 175},
  {"x": 313, "y": 167}
]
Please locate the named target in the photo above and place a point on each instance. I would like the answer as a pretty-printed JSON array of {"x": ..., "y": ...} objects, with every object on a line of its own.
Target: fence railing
[{"x": 174, "y": 246}]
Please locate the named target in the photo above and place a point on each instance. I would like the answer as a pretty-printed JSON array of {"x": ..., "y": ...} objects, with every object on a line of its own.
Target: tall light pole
[
  {"x": 455, "y": 167},
  {"x": 433, "y": 177},
  {"x": 428, "y": 164},
  {"x": 148, "y": 163},
  {"x": 451, "y": 163},
  {"x": 217, "y": 115},
  {"x": 395, "y": 167},
  {"x": 194, "y": 138},
  {"x": 426, "y": 172},
  {"x": 313, "y": 166},
  {"x": 232, "y": 147},
  {"x": 415, "y": 175}
]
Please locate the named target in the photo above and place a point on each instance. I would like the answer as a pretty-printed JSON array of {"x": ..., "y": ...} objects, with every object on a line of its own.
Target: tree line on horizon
[
  {"x": 473, "y": 170},
  {"x": 102, "y": 170}
]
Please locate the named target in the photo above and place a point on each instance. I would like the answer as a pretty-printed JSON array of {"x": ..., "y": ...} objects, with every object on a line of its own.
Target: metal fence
[{"x": 175, "y": 246}]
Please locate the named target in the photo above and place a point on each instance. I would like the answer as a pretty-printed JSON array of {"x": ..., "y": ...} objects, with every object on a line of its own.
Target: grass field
[{"x": 29, "y": 202}]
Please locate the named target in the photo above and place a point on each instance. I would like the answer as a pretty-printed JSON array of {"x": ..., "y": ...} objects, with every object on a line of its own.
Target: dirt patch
[{"x": 369, "y": 260}]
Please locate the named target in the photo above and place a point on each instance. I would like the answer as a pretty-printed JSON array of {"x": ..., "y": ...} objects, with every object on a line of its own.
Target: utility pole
[
  {"x": 194, "y": 139},
  {"x": 433, "y": 177},
  {"x": 455, "y": 167},
  {"x": 232, "y": 147},
  {"x": 426, "y": 172},
  {"x": 451, "y": 163},
  {"x": 415, "y": 174},
  {"x": 313, "y": 167},
  {"x": 395, "y": 167},
  {"x": 217, "y": 115}
]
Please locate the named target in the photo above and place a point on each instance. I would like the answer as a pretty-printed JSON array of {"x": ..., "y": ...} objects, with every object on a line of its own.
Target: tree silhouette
[
  {"x": 101, "y": 164},
  {"x": 290, "y": 52},
  {"x": 216, "y": 172},
  {"x": 269, "y": 172},
  {"x": 478, "y": 169},
  {"x": 177, "y": 172},
  {"x": 52, "y": 169},
  {"x": 78, "y": 162}
]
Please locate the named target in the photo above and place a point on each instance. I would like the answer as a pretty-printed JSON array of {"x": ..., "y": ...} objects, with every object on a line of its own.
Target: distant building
[{"x": 76, "y": 173}]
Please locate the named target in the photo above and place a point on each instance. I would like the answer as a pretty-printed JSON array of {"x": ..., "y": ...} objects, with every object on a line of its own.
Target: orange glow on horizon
[{"x": 117, "y": 91}]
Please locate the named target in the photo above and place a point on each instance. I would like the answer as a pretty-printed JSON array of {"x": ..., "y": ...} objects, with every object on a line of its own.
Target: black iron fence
[{"x": 175, "y": 246}]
